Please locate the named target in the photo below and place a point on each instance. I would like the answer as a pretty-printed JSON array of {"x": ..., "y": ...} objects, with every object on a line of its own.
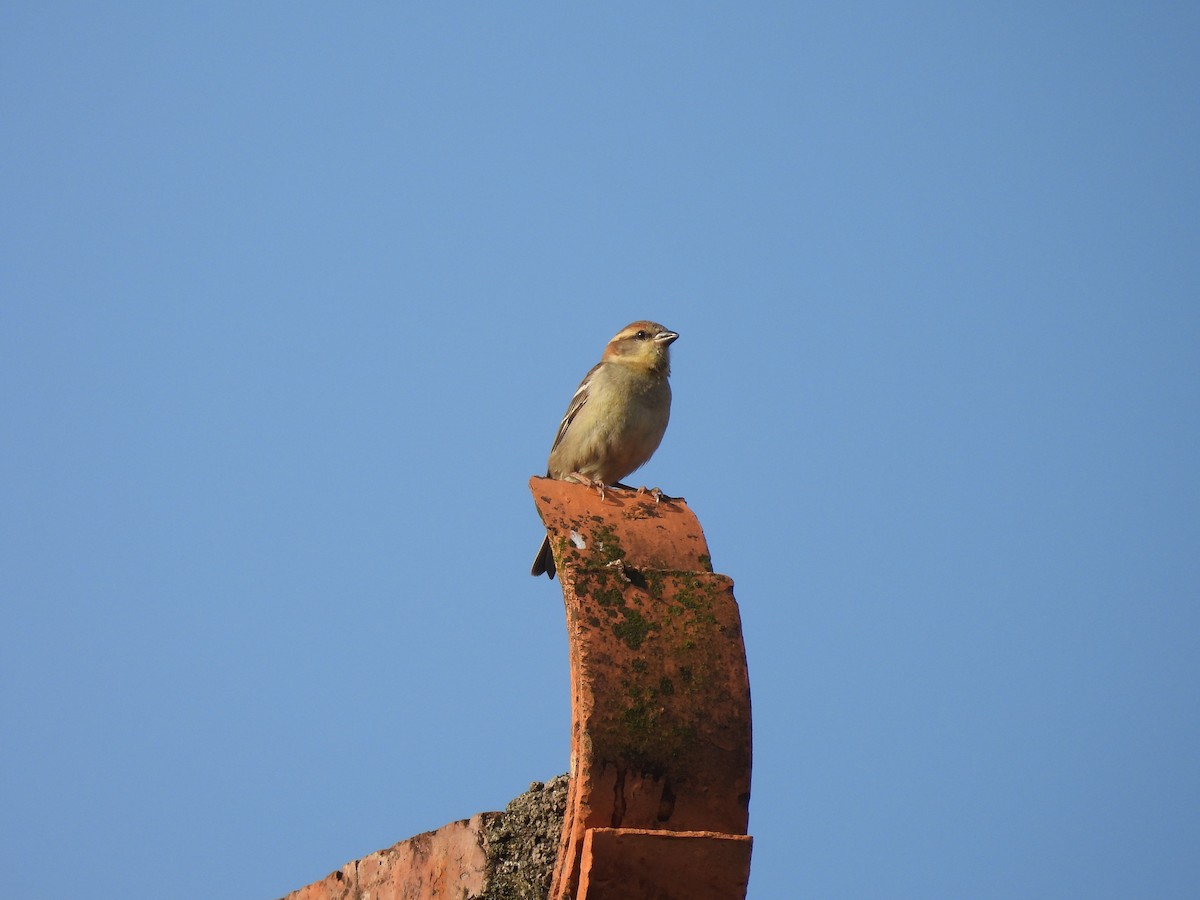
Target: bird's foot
[
  {"x": 588, "y": 481},
  {"x": 656, "y": 493}
]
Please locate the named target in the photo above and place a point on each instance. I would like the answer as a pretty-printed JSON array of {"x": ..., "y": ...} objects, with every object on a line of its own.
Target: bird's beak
[{"x": 665, "y": 338}]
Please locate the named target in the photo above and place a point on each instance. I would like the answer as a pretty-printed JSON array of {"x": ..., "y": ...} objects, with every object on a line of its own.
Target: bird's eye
[{"x": 642, "y": 335}]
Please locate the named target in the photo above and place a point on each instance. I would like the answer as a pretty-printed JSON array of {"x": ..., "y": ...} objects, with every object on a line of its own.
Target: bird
[{"x": 616, "y": 418}]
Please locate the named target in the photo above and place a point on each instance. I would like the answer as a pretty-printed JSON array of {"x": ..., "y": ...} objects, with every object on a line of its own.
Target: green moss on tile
[{"x": 633, "y": 630}]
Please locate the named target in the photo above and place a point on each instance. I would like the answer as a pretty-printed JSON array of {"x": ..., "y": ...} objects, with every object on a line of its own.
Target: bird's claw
[
  {"x": 601, "y": 488},
  {"x": 588, "y": 481},
  {"x": 656, "y": 493}
]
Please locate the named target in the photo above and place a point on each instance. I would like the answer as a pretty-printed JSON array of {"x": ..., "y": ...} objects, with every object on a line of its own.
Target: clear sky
[{"x": 293, "y": 295}]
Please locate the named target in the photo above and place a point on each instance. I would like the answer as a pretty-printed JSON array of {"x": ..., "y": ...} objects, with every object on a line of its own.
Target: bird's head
[{"x": 643, "y": 344}]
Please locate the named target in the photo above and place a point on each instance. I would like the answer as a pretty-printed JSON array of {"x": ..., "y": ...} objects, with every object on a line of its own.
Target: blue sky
[{"x": 292, "y": 297}]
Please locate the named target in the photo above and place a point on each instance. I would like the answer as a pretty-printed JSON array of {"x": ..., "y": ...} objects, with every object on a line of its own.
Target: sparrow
[{"x": 617, "y": 417}]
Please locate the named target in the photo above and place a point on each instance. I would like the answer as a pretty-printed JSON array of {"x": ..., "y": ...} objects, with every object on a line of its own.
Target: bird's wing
[{"x": 576, "y": 404}]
